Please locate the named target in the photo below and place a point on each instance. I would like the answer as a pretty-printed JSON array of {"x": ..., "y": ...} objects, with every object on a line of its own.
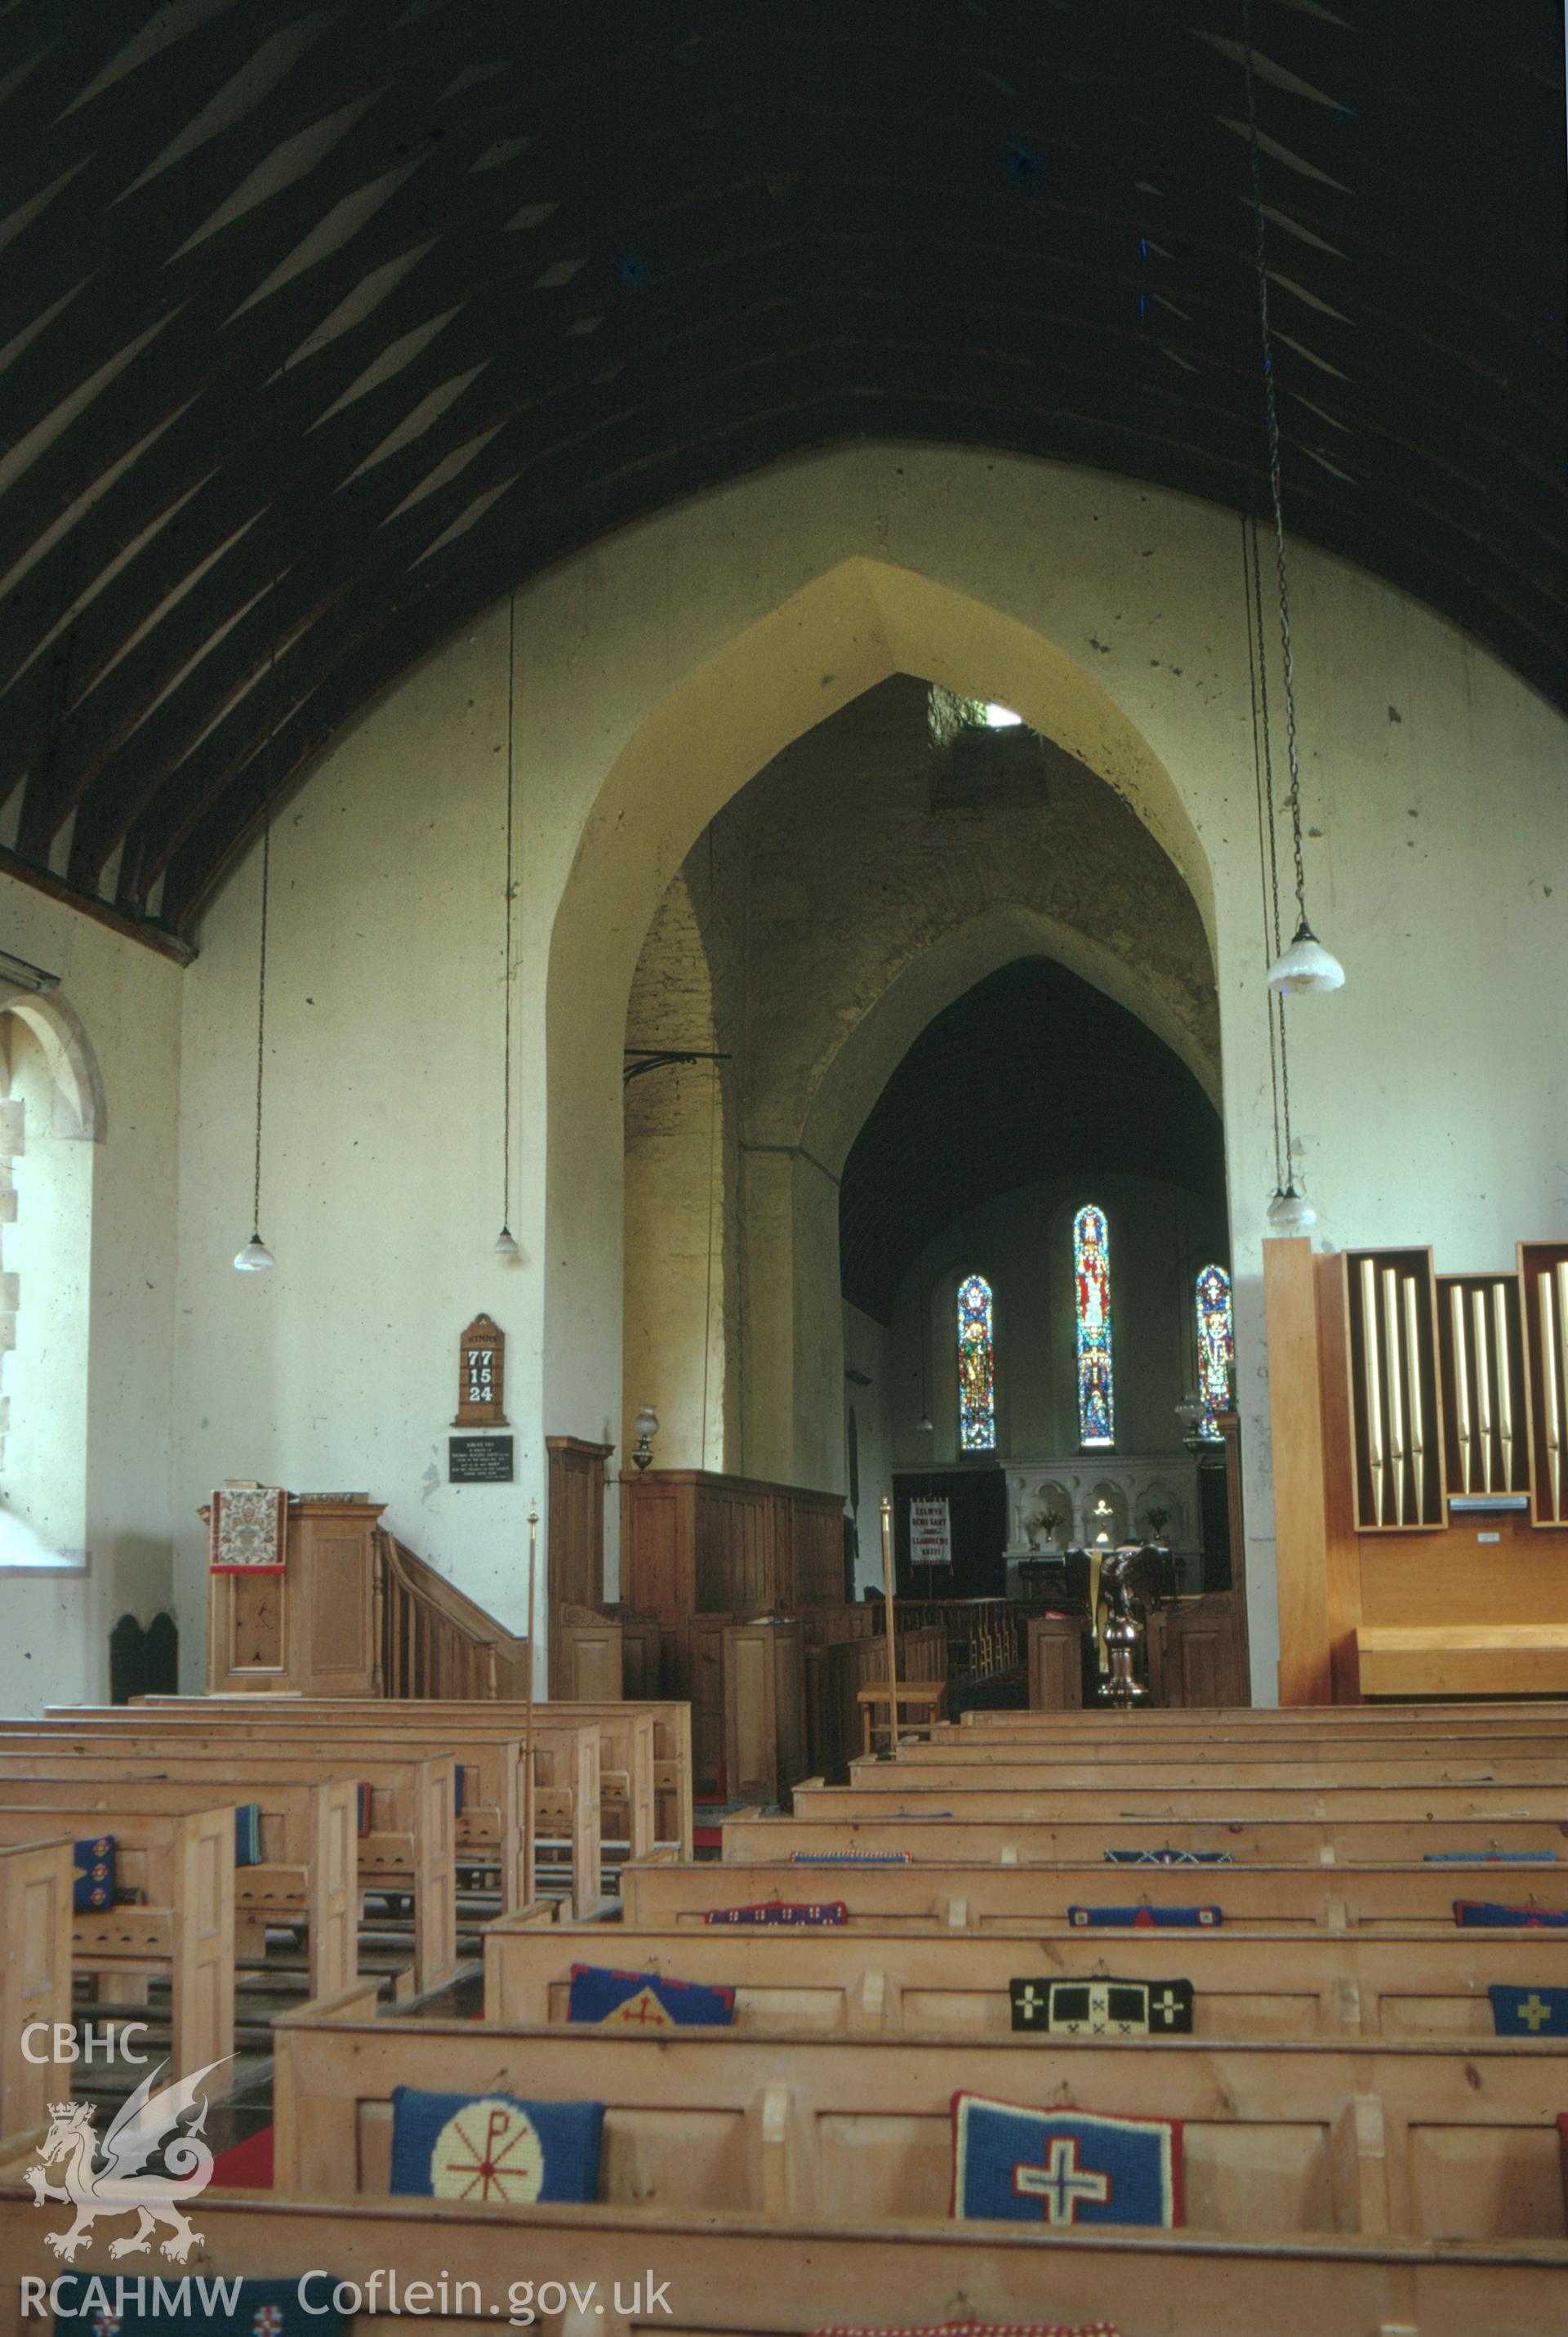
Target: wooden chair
[{"x": 924, "y": 1701}]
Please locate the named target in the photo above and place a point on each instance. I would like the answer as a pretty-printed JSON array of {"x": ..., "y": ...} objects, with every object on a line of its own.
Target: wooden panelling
[
  {"x": 312, "y": 1629},
  {"x": 1301, "y": 1523},
  {"x": 1056, "y": 1664},
  {"x": 1195, "y": 1654},
  {"x": 575, "y": 1536}
]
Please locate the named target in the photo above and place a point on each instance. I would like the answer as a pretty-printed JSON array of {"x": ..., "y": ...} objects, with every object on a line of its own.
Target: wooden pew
[
  {"x": 566, "y": 1799},
  {"x": 34, "y": 1976},
  {"x": 621, "y": 1755},
  {"x": 1407, "y": 1984},
  {"x": 1514, "y": 1788},
  {"x": 953, "y": 1752},
  {"x": 1416, "y": 1719},
  {"x": 722, "y": 2273},
  {"x": 1330, "y": 1839},
  {"x": 1452, "y": 2140},
  {"x": 181, "y": 1863},
  {"x": 1034, "y": 1899},
  {"x": 410, "y": 1848},
  {"x": 308, "y": 1837}
]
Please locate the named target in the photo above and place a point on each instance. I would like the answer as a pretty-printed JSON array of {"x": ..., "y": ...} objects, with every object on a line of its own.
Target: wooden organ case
[{"x": 1421, "y": 1481}]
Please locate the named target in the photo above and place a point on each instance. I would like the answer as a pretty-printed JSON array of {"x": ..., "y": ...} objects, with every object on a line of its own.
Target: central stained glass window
[
  {"x": 1092, "y": 1284},
  {"x": 976, "y": 1368}
]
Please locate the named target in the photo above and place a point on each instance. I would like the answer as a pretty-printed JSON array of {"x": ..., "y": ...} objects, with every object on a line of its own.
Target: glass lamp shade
[
  {"x": 1306, "y": 966},
  {"x": 506, "y": 1244},
  {"x": 925, "y": 1427},
  {"x": 646, "y": 1424},
  {"x": 1289, "y": 1213},
  {"x": 1190, "y": 1411},
  {"x": 254, "y": 1258}
]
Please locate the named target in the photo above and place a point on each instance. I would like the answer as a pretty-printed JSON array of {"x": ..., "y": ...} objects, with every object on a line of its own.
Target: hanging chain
[
  {"x": 511, "y": 793},
  {"x": 261, "y": 1022},
  {"x": 1271, "y": 417},
  {"x": 1263, "y": 785}
]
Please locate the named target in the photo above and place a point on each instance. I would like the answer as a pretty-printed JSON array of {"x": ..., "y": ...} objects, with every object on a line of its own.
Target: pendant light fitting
[{"x": 1306, "y": 966}]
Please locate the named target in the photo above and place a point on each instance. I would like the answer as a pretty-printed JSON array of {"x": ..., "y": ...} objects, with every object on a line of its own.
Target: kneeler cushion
[
  {"x": 783, "y": 1910},
  {"x": 493, "y": 2146},
  {"x": 1169, "y": 1858},
  {"x": 631, "y": 2000},
  {"x": 92, "y": 1874},
  {"x": 247, "y": 1834},
  {"x": 261, "y": 2308},
  {"x": 1058, "y": 2167},
  {"x": 851, "y": 1858},
  {"x": 1486, "y": 1915},
  {"x": 1102, "y": 2007},
  {"x": 1529, "y": 2011},
  {"x": 1145, "y": 1919},
  {"x": 988, "y": 2328}
]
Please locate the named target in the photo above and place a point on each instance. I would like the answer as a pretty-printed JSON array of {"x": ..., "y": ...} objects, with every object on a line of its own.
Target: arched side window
[
  {"x": 976, "y": 1367},
  {"x": 1092, "y": 1288},
  {"x": 1216, "y": 1345}
]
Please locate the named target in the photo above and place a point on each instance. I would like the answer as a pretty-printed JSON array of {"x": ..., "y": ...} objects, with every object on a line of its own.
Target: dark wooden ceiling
[
  {"x": 991, "y": 1097},
  {"x": 324, "y": 325}
]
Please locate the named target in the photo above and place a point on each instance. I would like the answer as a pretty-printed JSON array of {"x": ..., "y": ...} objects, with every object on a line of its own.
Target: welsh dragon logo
[{"x": 111, "y": 2177}]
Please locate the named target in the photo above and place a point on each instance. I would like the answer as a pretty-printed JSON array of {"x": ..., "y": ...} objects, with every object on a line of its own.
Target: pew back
[
  {"x": 35, "y": 1972},
  {"x": 1038, "y": 1840},
  {"x": 1401, "y": 1984},
  {"x": 1034, "y": 1899},
  {"x": 1435, "y": 2141}
]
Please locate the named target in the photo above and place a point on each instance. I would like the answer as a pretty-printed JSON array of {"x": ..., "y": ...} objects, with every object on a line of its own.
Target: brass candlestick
[
  {"x": 1374, "y": 1391},
  {"x": 887, "y": 1515}
]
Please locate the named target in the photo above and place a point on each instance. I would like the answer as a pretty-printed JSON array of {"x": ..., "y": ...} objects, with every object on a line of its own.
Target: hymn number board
[{"x": 481, "y": 1377}]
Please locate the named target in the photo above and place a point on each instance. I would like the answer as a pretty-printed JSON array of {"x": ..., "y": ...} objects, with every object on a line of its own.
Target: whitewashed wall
[{"x": 655, "y": 675}]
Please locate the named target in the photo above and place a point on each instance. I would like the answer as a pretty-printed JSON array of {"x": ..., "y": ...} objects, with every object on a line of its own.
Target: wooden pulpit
[{"x": 313, "y": 1630}]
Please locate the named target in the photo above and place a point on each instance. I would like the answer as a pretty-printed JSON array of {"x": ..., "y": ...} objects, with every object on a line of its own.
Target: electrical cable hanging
[
  {"x": 256, "y": 1257},
  {"x": 506, "y": 1241},
  {"x": 1289, "y": 1213},
  {"x": 1306, "y": 965}
]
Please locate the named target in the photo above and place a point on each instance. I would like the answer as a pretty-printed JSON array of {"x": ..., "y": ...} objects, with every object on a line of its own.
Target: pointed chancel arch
[{"x": 853, "y": 626}]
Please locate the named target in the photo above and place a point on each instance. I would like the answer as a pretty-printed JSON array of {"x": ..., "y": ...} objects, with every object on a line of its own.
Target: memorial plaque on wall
[
  {"x": 480, "y": 1375},
  {"x": 479, "y": 1460}
]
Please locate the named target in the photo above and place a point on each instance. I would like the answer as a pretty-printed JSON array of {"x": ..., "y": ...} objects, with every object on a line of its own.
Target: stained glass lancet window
[
  {"x": 976, "y": 1367},
  {"x": 1216, "y": 1347},
  {"x": 1092, "y": 1285}
]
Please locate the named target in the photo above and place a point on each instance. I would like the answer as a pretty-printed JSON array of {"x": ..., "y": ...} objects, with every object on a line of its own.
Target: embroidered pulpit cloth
[{"x": 247, "y": 1527}]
